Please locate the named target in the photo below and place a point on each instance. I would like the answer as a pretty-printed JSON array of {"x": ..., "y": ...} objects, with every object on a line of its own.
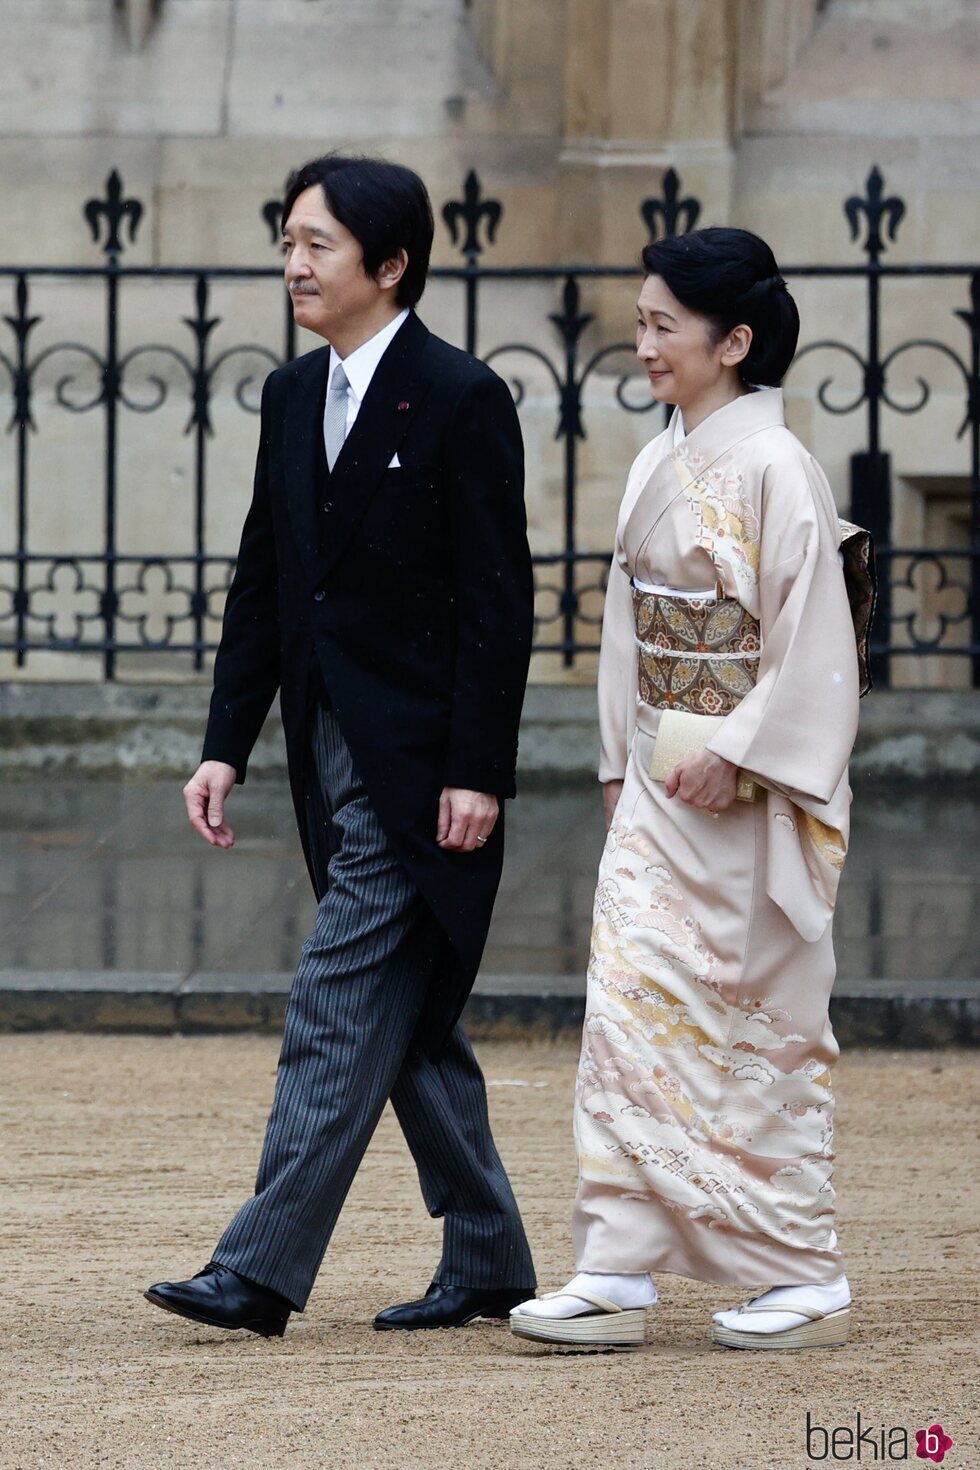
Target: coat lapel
[
  {"x": 302, "y": 448},
  {"x": 390, "y": 404}
]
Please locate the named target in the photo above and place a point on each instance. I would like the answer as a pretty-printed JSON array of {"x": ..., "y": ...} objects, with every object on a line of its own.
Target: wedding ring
[
  {"x": 716, "y": 815},
  {"x": 482, "y": 839}
]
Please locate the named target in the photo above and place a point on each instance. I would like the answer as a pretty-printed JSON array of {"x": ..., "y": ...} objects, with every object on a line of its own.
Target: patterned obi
[{"x": 696, "y": 654}]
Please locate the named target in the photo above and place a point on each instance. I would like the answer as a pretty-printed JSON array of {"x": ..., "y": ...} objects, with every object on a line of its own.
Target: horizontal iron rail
[
  {"x": 542, "y": 558},
  {"x": 462, "y": 272}
]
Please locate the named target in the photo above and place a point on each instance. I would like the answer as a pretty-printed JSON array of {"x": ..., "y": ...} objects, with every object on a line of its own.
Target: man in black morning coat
[{"x": 384, "y": 587}]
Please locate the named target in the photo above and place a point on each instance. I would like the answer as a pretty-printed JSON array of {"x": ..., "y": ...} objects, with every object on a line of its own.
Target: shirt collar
[{"x": 360, "y": 365}]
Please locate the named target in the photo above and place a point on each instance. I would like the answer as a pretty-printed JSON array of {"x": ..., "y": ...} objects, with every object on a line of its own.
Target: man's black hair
[{"x": 385, "y": 206}]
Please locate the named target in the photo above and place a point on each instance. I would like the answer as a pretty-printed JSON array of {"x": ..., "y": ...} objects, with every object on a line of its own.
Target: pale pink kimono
[{"x": 704, "y": 1111}]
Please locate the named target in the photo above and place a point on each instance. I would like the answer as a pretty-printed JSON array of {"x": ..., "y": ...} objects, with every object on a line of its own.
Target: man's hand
[
  {"x": 703, "y": 780},
  {"x": 204, "y": 798},
  {"x": 464, "y": 817},
  {"x": 611, "y": 792}
]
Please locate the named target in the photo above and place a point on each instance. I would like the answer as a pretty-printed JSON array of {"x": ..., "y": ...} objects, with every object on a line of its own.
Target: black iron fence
[{"x": 101, "y": 599}]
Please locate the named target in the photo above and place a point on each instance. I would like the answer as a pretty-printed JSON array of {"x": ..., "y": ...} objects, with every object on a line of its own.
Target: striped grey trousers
[{"x": 348, "y": 1045}]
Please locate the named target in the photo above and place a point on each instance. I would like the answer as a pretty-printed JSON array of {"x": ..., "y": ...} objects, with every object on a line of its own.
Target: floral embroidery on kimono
[{"x": 704, "y": 1114}]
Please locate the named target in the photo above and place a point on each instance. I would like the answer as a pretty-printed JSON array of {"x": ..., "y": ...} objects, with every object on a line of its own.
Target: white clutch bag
[{"x": 681, "y": 733}]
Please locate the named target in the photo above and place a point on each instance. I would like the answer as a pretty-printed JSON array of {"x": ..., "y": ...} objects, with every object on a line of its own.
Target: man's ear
[
  {"x": 737, "y": 345},
  {"x": 392, "y": 271}
]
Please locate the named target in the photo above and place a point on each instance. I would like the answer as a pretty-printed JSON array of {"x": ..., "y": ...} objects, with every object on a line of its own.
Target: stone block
[
  {"x": 46, "y": 183},
  {"x": 230, "y": 1010},
  {"x": 325, "y": 56},
  {"x": 93, "y": 1001},
  {"x": 66, "y": 69}
]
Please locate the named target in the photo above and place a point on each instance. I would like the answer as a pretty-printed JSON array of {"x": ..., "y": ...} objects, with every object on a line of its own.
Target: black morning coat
[{"x": 412, "y": 587}]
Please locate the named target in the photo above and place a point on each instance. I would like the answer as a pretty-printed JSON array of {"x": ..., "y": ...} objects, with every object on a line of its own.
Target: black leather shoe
[
  {"x": 451, "y": 1306},
  {"x": 219, "y": 1297}
]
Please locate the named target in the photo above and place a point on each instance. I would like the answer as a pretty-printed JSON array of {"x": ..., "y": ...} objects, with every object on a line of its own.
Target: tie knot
[{"x": 338, "y": 380}]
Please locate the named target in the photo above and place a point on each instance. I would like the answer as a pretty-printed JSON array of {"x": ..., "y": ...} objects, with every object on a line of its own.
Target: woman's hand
[
  {"x": 703, "y": 780},
  {"x": 611, "y": 792}
]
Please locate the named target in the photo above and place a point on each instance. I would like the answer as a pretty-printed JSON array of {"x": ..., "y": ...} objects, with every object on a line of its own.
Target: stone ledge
[
  {"x": 151, "y": 730},
  {"x": 892, "y": 1013}
]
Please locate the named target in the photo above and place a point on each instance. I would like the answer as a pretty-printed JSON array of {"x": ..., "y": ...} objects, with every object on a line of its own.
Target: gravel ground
[{"x": 124, "y": 1157}]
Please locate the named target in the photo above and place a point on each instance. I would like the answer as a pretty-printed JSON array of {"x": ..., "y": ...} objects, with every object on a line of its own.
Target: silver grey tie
[{"x": 335, "y": 415}]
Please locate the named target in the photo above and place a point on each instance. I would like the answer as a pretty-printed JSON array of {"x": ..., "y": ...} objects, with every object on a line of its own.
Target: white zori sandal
[
  {"x": 608, "y": 1326},
  {"x": 824, "y": 1329}
]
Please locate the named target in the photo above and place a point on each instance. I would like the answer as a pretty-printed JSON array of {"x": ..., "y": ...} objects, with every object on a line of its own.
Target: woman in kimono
[{"x": 703, "y": 1118}]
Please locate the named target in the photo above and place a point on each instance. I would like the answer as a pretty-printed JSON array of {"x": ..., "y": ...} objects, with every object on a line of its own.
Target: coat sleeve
[
  {"x": 493, "y": 587},
  {"x": 617, "y": 682},
  {"x": 246, "y": 667},
  {"x": 794, "y": 731}
]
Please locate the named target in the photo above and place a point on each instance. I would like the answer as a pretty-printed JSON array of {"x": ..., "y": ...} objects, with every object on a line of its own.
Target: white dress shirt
[{"x": 360, "y": 367}]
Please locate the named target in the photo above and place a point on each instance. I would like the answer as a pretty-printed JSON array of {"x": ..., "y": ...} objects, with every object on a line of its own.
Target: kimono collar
[
  {"x": 762, "y": 408},
  {"x": 726, "y": 525},
  {"x": 726, "y": 520}
]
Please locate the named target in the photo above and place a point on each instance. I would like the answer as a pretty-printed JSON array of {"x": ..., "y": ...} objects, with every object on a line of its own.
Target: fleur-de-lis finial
[
  {"x": 470, "y": 211},
  {"x": 202, "y": 326},
  {"x": 22, "y": 325},
  {"x": 114, "y": 209},
  {"x": 671, "y": 209},
  {"x": 272, "y": 214},
  {"x": 875, "y": 209},
  {"x": 571, "y": 323}
]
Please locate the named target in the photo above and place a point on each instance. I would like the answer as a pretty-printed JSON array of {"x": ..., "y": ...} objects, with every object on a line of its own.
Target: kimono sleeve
[
  {"x": 617, "y": 680},
  {"x": 795, "y": 730}
]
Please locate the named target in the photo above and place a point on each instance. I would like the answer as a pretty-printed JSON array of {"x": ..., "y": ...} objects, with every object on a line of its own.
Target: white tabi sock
[
  {"x": 623, "y": 1291},
  {"x": 830, "y": 1297}
]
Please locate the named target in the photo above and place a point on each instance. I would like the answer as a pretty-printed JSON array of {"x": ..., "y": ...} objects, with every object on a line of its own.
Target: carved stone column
[
  {"x": 771, "y": 35},
  {"x": 649, "y": 84},
  {"x": 138, "y": 18}
]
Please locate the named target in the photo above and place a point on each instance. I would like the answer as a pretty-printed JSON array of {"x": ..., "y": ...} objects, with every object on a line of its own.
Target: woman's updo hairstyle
[{"x": 730, "y": 277}]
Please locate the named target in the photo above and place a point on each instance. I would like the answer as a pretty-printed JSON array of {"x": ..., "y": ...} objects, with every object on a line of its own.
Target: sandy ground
[{"x": 124, "y": 1156}]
